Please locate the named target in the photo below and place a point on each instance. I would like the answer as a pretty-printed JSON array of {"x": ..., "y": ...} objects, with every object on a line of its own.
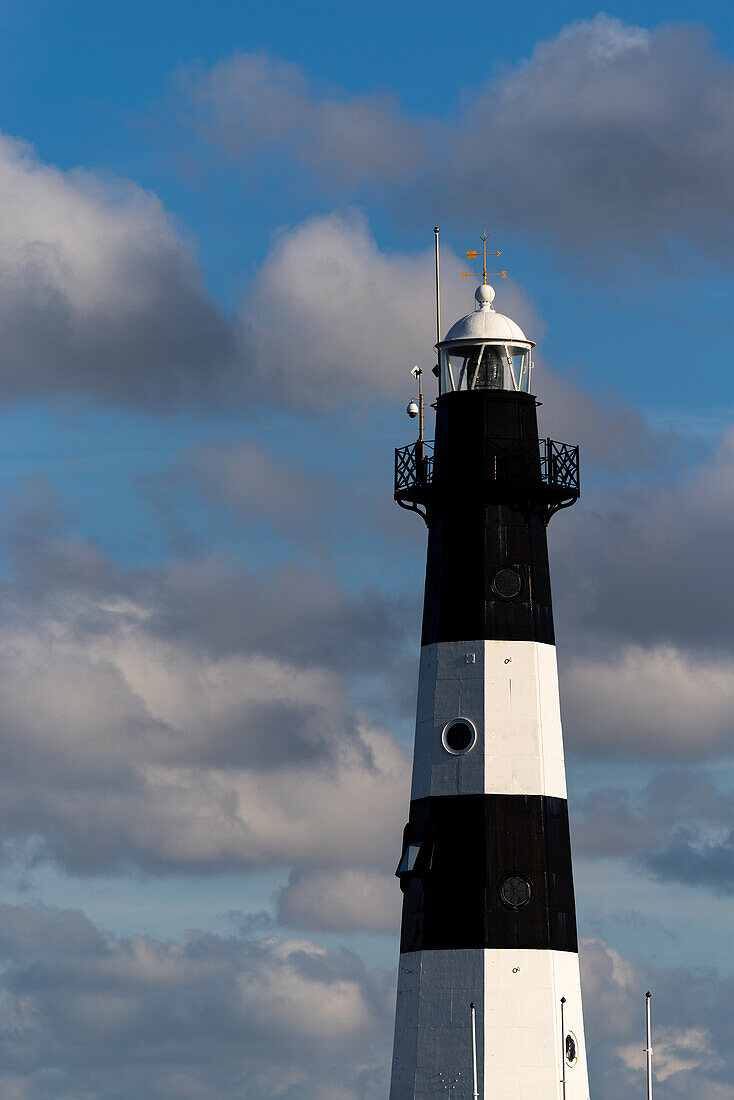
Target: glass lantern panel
[{"x": 485, "y": 367}]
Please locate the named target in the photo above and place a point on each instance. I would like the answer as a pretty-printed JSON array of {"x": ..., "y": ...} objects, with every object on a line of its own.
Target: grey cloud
[
  {"x": 293, "y": 612},
  {"x": 651, "y": 561},
  {"x": 87, "y": 1013},
  {"x": 346, "y": 900},
  {"x": 655, "y": 703},
  {"x": 696, "y": 859},
  {"x": 253, "y": 104},
  {"x": 692, "y": 1019},
  {"x": 122, "y": 750},
  {"x": 100, "y": 296},
  {"x": 206, "y": 604},
  {"x": 678, "y": 829},
  {"x": 103, "y": 300},
  {"x": 611, "y": 433},
  {"x": 642, "y": 580},
  {"x": 185, "y": 717},
  {"x": 607, "y": 133},
  {"x": 257, "y": 485}
]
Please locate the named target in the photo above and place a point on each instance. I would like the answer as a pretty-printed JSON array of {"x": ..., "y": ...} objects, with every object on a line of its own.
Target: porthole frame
[
  {"x": 507, "y": 569},
  {"x": 503, "y": 899},
  {"x": 459, "y": 722}
]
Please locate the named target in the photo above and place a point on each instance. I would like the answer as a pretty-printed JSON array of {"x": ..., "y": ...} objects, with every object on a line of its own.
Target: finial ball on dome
[{"x": 484, "y": 294}]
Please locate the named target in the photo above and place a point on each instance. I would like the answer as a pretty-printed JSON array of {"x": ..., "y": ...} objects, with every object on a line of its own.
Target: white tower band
[{"x": 488, "y": 902}]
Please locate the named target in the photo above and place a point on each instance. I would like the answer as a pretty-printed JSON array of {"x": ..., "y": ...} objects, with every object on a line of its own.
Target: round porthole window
[
  {"x": 507, "y": 583},
  {"x": 572, "y": 1049},
  {"x": 515, "y": 891},
  {"x": 459, "y": 736}
]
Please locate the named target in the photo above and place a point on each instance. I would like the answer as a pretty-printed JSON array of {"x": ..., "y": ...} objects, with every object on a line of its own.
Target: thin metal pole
[
  {"x": 475, "y": 1093},
  {"x": 563, "y": 1048},
  {"x": 438, "y": 291},
  {"x": 421, "y": 435},
  {"x": 648, "y": 1048},
  {"x": 420, "y": 451}
]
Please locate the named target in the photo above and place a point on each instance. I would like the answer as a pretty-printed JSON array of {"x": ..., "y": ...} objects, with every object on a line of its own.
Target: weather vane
[{"x": 471, "y": 255}]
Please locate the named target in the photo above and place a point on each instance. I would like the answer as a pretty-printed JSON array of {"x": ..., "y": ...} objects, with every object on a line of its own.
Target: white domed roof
[{"x": 485, "y": 324}]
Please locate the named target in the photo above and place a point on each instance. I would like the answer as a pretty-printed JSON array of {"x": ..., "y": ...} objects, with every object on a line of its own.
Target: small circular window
[
  {"x": 459, "y": 736},
  {"x": 507, "y": 583},
  {"x": 572, "y": 1049},
  {"x": 515, "y": 891}
]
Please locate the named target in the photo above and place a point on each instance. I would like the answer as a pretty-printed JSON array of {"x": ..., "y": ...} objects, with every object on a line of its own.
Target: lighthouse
[{"x": 488, "y": 981}]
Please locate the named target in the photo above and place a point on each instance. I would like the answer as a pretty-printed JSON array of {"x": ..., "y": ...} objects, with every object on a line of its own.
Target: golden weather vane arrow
[{"x": 471, "y": 255}]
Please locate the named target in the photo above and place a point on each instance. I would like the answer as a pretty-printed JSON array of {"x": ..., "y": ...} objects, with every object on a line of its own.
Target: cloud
[
  {"x": 651, "y": 561},
  {"x": 692, "y": 1051},
  {"x": 100, "y": 296},
  {"x": 694, "y": 857},
  {"x": 608, "y": 133},
  {"x": 676, "y": 1049},
  {"x": 253, "y": 104},
  {"x": 676, "y": 829},
  {"x": 347, "y": 900},
  {"x": 157, "y": 718},
  {"x": 655, "y": 703},
  {"x": 87, "y": 1013},
  {"x": 256, "y": 485},
  {"x": 102, "y": 299},
  {"x": 641, "y": 577},
  {"x": 351, "y": 320}
]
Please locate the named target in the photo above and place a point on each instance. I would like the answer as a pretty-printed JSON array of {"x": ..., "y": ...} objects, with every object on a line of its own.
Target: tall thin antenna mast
[
  {"x": 475, "y": 1093},
  {"x": 438, "y": 291},
  {"x": 648, "y": 1048}
]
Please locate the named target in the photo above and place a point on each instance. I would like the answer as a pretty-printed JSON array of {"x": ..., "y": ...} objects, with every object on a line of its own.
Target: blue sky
[{"x": 216, "y": 233}]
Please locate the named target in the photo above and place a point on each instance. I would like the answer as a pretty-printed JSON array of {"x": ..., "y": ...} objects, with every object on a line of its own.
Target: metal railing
[
  {"x": 512, "y": 461},
  {"x": 413, "y": 466}
]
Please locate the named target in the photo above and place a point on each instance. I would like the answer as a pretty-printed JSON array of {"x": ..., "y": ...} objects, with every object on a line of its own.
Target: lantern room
[{"x": 485, "y": 351}]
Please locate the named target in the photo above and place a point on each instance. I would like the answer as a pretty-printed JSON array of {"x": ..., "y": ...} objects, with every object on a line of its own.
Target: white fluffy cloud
[
  {"x": 676, "y": 1049},
  {"x": 333, "y": 320},
  {"x": 100, "y": 296},
  {"x": 85, "y": 1013},
  {"x": 691, "y": 1012}
]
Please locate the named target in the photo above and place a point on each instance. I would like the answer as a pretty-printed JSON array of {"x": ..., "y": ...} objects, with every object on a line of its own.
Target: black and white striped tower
[{"x": 488, "y": 905}]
